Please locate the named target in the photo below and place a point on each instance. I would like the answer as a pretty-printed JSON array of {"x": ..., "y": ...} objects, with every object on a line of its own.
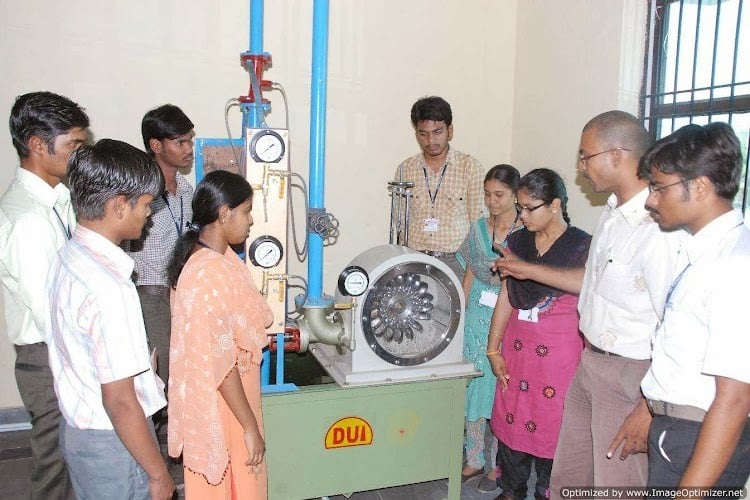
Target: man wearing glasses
[
  {"x": 698, "y": 385},
  {"x": 448, "y": 191},
  {"x": 630, "y": 267}
]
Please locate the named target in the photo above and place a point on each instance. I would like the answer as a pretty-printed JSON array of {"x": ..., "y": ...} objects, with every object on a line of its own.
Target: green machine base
[{"x": 326, "y": 440}]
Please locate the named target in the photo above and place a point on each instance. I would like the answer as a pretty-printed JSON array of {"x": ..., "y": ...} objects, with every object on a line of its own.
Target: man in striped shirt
[{"x": 98, "y": 351}]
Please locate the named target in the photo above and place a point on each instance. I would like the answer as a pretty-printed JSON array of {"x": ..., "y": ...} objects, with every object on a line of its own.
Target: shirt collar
[
  {"x": 634, "y": 210},
  {"x": 43, "y": 193},
  {"x": 109, "y": 254},
  {"x": 711, "y": 235},
  {"x": 449, "y": 159}
]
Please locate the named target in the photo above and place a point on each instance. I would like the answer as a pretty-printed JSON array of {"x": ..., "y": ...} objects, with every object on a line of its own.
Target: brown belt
[
  {"x": 595, "y": 349},
  {"x": 685, "y": 412},
  {"x": 154, "y": 290}
]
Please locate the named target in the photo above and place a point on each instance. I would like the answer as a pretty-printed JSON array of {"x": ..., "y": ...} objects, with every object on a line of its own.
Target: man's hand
[
  {"x": 510, "y": 265},
  {"x": 161, "y": 487},
  {"x": 633, "y": 433},
  {"x": 499, "y": 368}
]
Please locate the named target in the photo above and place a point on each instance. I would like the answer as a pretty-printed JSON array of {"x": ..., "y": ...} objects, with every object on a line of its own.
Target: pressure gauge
[
  {"x": 353, "y": 281},
  {"x": 267, "y": 146},
  {"x": 266, "y": 251}
]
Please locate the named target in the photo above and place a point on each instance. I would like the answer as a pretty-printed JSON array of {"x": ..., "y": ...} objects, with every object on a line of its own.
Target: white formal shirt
[
  {"x": 630, "y": 266},
  {"x": 703, "y": 334},
  {"x": 96, "y": 330},
  {"x": 30, "y": 236}
]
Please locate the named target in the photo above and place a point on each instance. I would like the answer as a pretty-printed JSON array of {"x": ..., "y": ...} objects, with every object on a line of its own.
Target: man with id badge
[
  {"x": 168, "y": 137},
  {"x": 698, "y": 385},
  {"x": 447, "y": 194}
]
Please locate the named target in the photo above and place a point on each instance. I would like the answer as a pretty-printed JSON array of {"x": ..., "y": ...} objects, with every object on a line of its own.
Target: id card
[
  {"x": 431, "y": 225},
  {"x": 488, "y": 299},
  {"x": 530, "y": 315}
]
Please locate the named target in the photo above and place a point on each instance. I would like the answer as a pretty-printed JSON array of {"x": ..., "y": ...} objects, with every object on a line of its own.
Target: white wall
[
  {"x": 574, "y": 60},
  {"x": 522, "y": 77},
  {"x": 119, "y": 59}
]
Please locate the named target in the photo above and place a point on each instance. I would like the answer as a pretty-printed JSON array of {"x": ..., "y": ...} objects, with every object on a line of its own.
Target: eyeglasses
[
  {"x": 658, "y": 189},
  {"x": 584, "y": 158},
  {"x": 520, "y": 208}
]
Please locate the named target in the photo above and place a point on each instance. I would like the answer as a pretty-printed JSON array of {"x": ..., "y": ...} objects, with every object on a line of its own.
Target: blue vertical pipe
[
  {"x": 256, "y": 26},
  {"x": 317, "y": 143},
  {"x": 253, "y": 113},
  {"x": 250, "y": 119}
]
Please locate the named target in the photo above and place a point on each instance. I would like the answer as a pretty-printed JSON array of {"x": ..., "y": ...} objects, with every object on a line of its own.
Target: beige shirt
[{"x": 442, "y": 225}]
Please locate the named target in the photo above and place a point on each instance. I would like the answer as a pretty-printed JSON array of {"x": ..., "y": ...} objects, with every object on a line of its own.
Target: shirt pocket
[
  {"x": 455, "y": 204},
  {"x": 621, "y": 284}
]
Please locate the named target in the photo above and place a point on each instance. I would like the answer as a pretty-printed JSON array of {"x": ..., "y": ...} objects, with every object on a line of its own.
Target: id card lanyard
[
  {"x": 177, "y": 225},
  {"x": 433, "y": 196}
]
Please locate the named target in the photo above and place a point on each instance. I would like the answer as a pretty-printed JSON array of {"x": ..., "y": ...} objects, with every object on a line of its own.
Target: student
[
  {"x": 487, "y": 237},
  {"x": 218, "y": 334},
  {"x": 35, "y": 222},
  {"x": 168, "y": 138},
  {"x": 541, "y": 345},
  {"x": 698, "y": 385},
  {"x": 98, "y": 351},
  {"x": 447, "y": 185}
]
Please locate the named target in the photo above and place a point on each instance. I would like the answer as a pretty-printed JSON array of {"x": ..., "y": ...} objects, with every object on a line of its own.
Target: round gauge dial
[
  {"x": 353, "y": 281},
  {"x": 267, "y": 146},
  {"x": 265, "y": 251}
]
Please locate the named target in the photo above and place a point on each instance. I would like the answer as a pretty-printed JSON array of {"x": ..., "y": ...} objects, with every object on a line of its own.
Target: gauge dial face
[
  {"x": 354, "y": 281},
  {"x": 266, "y": 252},
  {"x": 267, "y": 146}
]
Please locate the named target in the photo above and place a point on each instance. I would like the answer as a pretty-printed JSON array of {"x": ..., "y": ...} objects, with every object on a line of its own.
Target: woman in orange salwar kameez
[{"x": 218, "y": 333}]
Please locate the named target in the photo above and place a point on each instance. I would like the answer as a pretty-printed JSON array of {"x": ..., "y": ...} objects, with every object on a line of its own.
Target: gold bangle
[
  {"x": 490, "y": 353},
  {"x": 495, "y": 334}
]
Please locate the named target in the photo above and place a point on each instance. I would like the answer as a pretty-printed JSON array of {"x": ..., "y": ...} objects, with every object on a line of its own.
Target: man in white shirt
[
  {"x": 35, "y": 221},
  {"x": 98, "y": 350},
  {"x": 630, "y": 266},
  {"x": 698, "y": 385}
]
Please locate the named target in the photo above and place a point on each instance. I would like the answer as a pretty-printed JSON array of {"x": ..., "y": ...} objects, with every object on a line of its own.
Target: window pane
[{"x": 686, "y": 66}]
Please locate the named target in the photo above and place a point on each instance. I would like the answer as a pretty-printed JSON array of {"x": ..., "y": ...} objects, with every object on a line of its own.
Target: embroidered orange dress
[{"x": 218, "y": 322}]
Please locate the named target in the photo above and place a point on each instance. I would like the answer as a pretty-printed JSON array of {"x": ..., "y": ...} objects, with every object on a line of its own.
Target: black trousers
[
  {"x": 515, "y": 470},
  {"x": 670, "y": 446}
]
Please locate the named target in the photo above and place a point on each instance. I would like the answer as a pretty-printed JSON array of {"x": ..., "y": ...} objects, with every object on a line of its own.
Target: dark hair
[
  {"x": 618, "y": 129},
  {"x": 431, "y": 108},
  {"x": 696, "y": 151},
  {"x": 108, "y": 169},
  {"x": 507, "y": 174},
  {"x": 218, "y": 188},
  {"x": 165, "y": 122},
  {"x": 545, "y": 185},
  {"x": 45, "y": 115}
]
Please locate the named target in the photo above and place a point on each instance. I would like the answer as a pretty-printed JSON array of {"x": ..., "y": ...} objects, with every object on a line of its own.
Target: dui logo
[{"x": 349, "y": 431}]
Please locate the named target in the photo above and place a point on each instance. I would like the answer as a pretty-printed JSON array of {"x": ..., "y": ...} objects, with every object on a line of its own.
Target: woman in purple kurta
[{"x": 541, "y": 345}]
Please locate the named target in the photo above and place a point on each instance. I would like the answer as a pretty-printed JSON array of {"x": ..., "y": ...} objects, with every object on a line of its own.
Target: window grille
[{"x": 698, "y": 70}]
